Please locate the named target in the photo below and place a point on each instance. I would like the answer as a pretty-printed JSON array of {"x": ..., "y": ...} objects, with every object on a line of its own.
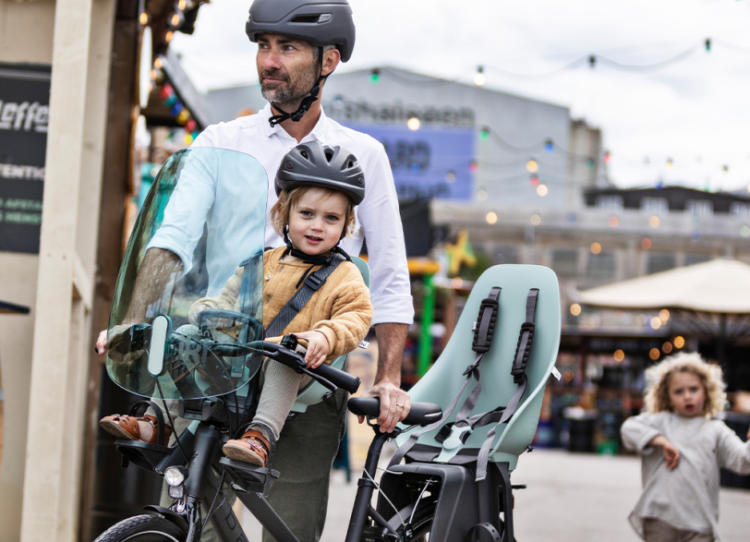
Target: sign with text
[
  {"x": 428, "y": 162},
  {"x": 24, "y": 115}
]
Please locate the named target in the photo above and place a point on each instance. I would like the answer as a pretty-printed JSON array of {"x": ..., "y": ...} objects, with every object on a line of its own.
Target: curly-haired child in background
[{"x": 682, "y": 449}]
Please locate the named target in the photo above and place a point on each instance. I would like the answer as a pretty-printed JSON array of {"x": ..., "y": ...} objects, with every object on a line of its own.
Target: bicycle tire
[
  {"x": 421, "y": 524},
  {"x": 143, "y": 528}
]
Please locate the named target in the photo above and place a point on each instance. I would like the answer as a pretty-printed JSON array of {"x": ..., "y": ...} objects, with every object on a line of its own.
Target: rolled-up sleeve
[
  {"x": 379, "y": 217},
  {"x": 189, "y": 205}
]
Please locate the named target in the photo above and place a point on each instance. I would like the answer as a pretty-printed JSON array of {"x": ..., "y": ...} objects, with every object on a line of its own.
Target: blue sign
[{"x": 429, "y": 162}]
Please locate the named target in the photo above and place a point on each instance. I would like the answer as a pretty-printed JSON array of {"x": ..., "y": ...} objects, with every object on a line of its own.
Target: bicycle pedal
[{"x": 248, "y": 478}]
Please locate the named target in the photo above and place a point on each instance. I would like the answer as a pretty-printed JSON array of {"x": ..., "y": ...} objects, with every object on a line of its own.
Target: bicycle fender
[{"x": 169, "y": 515}]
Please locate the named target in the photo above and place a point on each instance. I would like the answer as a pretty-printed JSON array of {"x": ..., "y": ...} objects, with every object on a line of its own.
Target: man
[{"x": 300, "y": 43}]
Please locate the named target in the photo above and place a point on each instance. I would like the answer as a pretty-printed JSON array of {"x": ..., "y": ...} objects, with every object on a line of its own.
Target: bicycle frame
[{"x": 461, "y": 505}]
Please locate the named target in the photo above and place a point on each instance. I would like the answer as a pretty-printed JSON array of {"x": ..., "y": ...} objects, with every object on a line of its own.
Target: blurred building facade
[
  {"x": 531, "y": 187},
  {"x": 448, "y": 140}
]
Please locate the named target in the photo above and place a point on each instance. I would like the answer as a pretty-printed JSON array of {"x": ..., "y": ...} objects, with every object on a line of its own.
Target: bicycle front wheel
[{"x": 144, "y": 528}]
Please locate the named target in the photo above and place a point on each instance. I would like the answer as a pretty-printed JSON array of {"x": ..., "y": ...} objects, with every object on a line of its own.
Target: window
[
  {"x": 699, "y": 207},
  {"x": 609, "y": 203},
  {"x": 654, "y": 206},
  {"x": 565, "y": 262},
  {"x": 602, "y": 266},
  {"x": 660, "y": 261}
]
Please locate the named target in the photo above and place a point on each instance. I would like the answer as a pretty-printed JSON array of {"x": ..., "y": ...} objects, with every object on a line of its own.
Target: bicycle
[{"x": 455, "y": 484}]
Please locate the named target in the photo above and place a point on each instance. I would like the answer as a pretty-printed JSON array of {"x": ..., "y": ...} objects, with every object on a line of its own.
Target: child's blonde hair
[
  {"x": 657, "y": 383},
  {"x": 288, "y": 200}
]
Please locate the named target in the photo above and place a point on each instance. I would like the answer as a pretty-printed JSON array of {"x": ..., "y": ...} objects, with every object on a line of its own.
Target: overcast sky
[{"x": 695, "y": 111}]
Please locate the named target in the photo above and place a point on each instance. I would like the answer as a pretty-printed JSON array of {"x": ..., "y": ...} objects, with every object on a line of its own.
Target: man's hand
[
  {"x": 317, "y": 348},
  {"x": 106, "y": 338},
  {"x": 101, "y": 342},
  {"x": 394, "y": 402},
  {"x": 394, "y": 405},
  {"x": 669, "y": 451}
]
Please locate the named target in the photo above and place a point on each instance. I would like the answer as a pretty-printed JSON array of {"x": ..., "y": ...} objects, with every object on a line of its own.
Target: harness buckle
[
  {"x": 313, "y": 282},
  {"x": 453, "y": 444}
]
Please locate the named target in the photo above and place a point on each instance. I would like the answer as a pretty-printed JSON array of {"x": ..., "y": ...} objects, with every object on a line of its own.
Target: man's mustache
[{"x": 273, "y": 75}]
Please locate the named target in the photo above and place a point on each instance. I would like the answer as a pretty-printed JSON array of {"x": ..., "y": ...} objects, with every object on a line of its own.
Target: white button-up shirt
[{"x": 378, "y": 217}]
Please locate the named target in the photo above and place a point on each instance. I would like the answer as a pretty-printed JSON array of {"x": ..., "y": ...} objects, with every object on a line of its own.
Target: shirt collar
[{"x": 318, "y": 132}]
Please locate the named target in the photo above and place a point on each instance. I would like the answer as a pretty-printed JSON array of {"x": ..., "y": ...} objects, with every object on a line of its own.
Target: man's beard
[{"x": 297, "y": 86}]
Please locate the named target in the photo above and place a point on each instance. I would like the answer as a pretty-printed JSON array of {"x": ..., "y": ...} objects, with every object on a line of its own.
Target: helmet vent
[
  {"x": 350, "y": 164},
  {"x": 329, "y": 154},
  {"x": 305, "y": 155},
  {"x": 306, "y": 19}
]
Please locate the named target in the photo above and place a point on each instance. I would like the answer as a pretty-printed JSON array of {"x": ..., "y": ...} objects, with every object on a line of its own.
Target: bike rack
[{"x": 248, "y": 478}]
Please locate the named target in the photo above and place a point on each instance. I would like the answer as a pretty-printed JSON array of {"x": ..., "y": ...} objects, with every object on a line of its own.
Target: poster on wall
[
  {"x": 24, "y": 115},
  {"x": 427, "y": 162}
]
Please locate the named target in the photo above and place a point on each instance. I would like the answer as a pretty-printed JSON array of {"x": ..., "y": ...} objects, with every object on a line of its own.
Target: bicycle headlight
[{"x": 175, "y": 476}]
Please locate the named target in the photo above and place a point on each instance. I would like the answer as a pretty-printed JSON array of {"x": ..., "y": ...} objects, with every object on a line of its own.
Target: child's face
[
  {"x": 686, "y": 394},
  {"x": 317, "y": 221}
]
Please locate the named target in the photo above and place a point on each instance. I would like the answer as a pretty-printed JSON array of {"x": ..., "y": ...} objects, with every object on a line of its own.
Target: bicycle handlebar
[{"x": 330, "y": 377}]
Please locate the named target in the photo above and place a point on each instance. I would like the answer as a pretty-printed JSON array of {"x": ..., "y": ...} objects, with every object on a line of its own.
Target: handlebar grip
[{"x": 338, "y": 377}]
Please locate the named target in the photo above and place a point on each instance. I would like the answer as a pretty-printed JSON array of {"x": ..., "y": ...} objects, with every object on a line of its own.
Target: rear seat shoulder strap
[
  {"x": 484, "y": 329},
  {"x": 523, "y": 350}
]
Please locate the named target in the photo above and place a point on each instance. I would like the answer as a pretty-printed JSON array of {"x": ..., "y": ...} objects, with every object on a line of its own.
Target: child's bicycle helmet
[{"x": 318, "y": 165}]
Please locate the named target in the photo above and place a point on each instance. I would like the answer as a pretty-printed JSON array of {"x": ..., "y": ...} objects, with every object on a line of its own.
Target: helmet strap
[
  {"x": 306, "y": 102},
  {"x": 315, "y": 259}
]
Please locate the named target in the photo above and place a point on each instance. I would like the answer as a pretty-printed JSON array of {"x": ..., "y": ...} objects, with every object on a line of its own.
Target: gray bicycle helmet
[
  {"x": 319, "y": 22},
  {"x": 318, "y": 165}
]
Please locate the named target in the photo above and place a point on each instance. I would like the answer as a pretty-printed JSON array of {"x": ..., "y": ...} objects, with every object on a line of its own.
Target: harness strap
[
  {"x": 523, "y": 349},
  {"x": 484, "y": 329},
  {"x": 312, "y": 283}
]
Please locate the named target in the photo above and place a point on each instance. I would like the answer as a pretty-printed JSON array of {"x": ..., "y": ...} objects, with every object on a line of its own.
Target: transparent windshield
[{"x": 189, "y": 296}]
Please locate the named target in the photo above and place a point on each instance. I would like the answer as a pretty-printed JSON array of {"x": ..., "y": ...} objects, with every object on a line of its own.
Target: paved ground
[{"x": 570, "y": 498}]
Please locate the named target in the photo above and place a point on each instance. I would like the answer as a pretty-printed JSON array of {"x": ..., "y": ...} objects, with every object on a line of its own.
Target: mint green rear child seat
[{"x": 445, "y": 378}]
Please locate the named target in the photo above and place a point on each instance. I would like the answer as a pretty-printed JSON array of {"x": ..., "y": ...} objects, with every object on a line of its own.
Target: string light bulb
[
  {"x": 484, "y": 134},
  {"x": 413, "y": 124},
  {"x": 375, "y": 75},
  {"x": 143, "y": 18},
  {"x": 176, "y": 20},
  {"x": 549, "y": 146},
  {"x": 708, "y": 45},
  {"x": 168, "y": 36},
  {"x": 181, "y": 5},
  {"x": 532, "y": 166},
  {"x": 479, "y": 78}
]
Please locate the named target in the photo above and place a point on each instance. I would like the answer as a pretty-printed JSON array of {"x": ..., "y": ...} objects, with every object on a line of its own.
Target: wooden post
[{"x": 80, "y": 69}]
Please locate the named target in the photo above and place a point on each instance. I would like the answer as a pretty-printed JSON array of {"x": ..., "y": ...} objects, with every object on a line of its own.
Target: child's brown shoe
[
  {"x": 127, "y": 427},
  {"x": 252, "y": 448}
]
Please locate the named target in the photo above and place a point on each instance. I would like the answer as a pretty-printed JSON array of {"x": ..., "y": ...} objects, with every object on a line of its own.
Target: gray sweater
[{"x": 688, "y": 496}]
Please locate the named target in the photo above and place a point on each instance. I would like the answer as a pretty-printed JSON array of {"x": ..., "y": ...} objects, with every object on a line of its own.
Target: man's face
[{"x": 286, "y": 68}]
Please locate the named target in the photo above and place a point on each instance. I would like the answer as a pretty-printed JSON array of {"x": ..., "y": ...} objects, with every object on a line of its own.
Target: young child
[
  {"x": 682, "y": 449},
  {"x": 318, "y": 188}
]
